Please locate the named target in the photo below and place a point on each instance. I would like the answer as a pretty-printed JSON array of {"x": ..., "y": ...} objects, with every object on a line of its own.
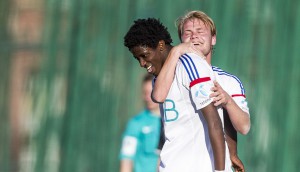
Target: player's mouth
[
  {"x": 149, "y": 68},
  {"x": 197, "y": 43}
]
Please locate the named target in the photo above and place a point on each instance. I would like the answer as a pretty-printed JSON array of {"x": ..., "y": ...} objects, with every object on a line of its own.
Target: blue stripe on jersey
[
  {"x": 222, "y": 72},
  {"x": 185, "y": 68},
  {"x": 216, "y": 68},
  {"x": 189, "y": 67},
  {"x": 189, "y": 57}
]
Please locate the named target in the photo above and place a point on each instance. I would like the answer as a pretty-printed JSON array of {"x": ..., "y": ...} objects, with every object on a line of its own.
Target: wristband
[{"x": 219, "y": 171}]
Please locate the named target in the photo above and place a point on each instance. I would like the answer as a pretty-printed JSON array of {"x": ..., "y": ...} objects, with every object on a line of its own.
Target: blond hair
[{"x": 195, "y": 15}]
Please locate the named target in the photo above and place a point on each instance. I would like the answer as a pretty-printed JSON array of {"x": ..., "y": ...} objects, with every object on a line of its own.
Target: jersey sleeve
[
  {"x": 198, "y": 76},
  {"x": 238, "y": 94},
  {"x": 130, "y": 140}
]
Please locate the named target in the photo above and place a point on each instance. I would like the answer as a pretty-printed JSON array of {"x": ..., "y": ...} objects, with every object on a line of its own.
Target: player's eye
[
  {"x": 144, "y": 56},
  {"x": 187, "y": 34}
]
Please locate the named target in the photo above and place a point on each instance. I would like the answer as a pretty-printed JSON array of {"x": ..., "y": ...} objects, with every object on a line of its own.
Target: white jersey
[
  {"x": 187, "y": 147},
  {"x": 233, "y": 86}
]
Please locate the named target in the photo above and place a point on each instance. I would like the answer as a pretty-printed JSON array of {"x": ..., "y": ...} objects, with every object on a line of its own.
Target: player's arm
[
  {"x": 231, "y": 139},
  {"x": 239, "y": 118},
  {"x": 165, "y": 78},
  {"x": 221, "y": 97},
  {"x": 200, "y": 75},
  {"x": 216, "y": 135},
  {"x": 129, "y": 146},
  {"x": 126, "y": 165},
  {"x": 127, "y": 154}
]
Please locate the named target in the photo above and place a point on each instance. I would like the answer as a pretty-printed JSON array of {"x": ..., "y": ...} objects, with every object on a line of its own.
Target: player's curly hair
[{"x": 147, "y": 32}]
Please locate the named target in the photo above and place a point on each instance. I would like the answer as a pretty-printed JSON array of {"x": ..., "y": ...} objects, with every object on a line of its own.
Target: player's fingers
[
  {"x": 214, "y": 94},
  {"x": 222, "y": 95},
  {"x": 237, "y": 169},
  {"x": 217, "y": 103},
  {"x": 223, "y": 100},
  {"x": 216, "y": 84},
  {"x": 214, "y": 89},
  {"x": 218, "y": 97}
]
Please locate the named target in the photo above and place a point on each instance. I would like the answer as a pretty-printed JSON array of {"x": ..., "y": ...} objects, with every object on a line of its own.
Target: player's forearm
[
  {"x": 232, "y": 145},
  {"x": 216, "y": 135},
  {"x": 126, "y": 165},
  {"x": 239, "y": 119},
  {"x": 165, "y": 78},
  {"x": 230, "y": 134},
  {"x": 218, "y": 145},
  {"x": 237, "y": 164}
]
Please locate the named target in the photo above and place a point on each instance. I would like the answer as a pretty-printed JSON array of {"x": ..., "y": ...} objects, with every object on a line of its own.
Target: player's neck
[{"x": 208, "y": 59}]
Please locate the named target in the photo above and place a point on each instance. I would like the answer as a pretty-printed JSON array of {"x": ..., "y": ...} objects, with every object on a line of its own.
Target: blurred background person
[{"x": 140, "y": 139}]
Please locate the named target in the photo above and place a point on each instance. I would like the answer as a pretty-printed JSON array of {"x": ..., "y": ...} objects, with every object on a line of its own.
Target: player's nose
[{"x": 194, "y": 35}]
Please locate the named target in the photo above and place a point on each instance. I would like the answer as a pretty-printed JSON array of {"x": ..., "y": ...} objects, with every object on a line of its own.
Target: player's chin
[{"x": 154, "y": 72}]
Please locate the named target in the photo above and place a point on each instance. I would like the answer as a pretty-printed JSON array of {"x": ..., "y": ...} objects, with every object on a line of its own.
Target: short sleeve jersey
[
  {"x": 187, "y": 146},
  {"x": 233, "y": 86},
  {"x": 140, "y": 141}
]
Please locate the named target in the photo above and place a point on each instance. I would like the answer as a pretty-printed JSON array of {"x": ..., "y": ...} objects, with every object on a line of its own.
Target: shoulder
[
  {"x": 136, "y": 119},
  {"x": 230, "y": 83},
  {"x": 135, "y": 124},
  {"x": 228, "y": 76},
  {"x": 191, "y": 61},
  {"x": 141, "y": 115},
  {"x": 191, "y": 58}
]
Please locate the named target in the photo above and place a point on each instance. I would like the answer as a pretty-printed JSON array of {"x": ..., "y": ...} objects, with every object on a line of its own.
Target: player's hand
[
  {"x": 237, "y": 164},
  {"x": 189, "y": 47},
  {"x": 220, "y": 96}
]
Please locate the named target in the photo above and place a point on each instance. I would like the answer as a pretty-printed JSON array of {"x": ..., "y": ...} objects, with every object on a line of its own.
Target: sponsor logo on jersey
[
  {"x": 201, "y": 91},
  {"x": 204, "y": 102}
]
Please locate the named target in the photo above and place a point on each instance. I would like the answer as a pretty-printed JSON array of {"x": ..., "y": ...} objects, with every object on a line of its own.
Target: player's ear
[
  {"x": 213, "y": 40},
  {"x": 161, "y": 45}
]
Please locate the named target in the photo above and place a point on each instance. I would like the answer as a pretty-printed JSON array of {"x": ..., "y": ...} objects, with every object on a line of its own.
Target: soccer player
[
  {"x": 193, "y": 129},
  {"x": 140, "y": 140},
  {"x": 195, "y": 29}
]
